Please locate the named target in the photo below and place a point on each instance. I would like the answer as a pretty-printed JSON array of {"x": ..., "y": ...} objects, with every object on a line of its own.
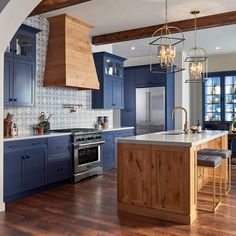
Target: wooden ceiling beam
[
  {"x": 204, "y": 22},
  {"x": 51, "y": 5}
]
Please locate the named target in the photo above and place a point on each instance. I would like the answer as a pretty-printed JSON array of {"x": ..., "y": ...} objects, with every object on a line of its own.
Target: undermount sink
[{"x": 172, "y": 133}]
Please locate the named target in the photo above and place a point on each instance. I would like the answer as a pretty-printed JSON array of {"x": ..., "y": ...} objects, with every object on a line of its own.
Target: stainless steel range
[{"x": 86, "y": 149}]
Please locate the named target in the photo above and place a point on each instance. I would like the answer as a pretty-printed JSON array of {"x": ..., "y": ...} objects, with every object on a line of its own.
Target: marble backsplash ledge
[{"x": 50, "y": 100}]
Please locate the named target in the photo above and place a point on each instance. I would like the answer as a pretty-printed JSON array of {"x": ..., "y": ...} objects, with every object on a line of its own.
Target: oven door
[{"x": 87, "y": 156}]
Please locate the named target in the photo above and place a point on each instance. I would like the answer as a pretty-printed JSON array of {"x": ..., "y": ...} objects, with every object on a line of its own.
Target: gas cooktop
[{"x": 75, "y": 130}]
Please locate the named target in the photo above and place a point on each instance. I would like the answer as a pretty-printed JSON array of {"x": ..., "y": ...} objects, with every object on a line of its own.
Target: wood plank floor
[{"x": 89, "y": 208}]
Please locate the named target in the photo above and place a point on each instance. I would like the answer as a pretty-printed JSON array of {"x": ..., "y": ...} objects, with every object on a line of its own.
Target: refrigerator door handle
[{"x": 149, "y": 107}]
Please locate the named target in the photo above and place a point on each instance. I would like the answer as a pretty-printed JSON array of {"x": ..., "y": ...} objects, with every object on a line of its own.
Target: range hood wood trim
[{"x": 75, "y": 56}]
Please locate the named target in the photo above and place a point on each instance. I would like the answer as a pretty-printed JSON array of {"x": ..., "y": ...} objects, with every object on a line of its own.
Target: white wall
[
  {"x": 222, "y": 62},
  {"x": 10, "y": 19}
]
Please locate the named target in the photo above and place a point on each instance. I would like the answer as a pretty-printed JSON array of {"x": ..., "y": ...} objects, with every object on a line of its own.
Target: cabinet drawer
[
  {"x": 14, "y": 145},
  {"x": 58, "y": 146},
  {"x": 59, "y": 168}
]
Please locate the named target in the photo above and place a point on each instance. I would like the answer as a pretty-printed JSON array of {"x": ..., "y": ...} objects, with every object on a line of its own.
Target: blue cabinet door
[
  {"x": 108, "y": 90},
  {"x": 23, "y": 83},
  {"x": 117, "y": 93},
  {"x": 14, "y": 172},
  {"x": 35, "y": 167},
  {"x": 8, "y": 81},
  {"x": 128, "y": 114},
  {"x": 141, "y": 76}
]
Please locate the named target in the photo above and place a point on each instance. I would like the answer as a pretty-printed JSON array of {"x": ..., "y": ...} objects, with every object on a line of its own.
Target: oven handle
[{"x": 89, "y": 144}]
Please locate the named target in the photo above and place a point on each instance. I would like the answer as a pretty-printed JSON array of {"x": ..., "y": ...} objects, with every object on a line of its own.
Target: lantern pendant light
[
  {"x": 162, "y": 48},
  {"x": 196, "y": 59}
]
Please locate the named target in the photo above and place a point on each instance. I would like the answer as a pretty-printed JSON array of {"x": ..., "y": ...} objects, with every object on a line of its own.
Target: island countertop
[{"x": 174, "y": 138}]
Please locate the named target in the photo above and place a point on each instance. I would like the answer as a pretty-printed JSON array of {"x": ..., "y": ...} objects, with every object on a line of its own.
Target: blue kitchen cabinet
[
  {"x": 59, "y": 158},
  {"x": 146, "y": 78},
  {"x": 24, "y": 166},
  {"x": 118, "y": 93},
  {"x": 19, "y": 65},
  {"x": 35, "y": 170},
  {"x": 14, "y": 172},
  {"x": 141, "y": 77},
  {"x": 110, "y": 73},
  {"x": 128, "y": 114},
  {"x": 8, "y": 81},
  {"x": 219, "y": 100},
  {"x": 33, "y": 163},
  {"x": 108, "y": 155}
]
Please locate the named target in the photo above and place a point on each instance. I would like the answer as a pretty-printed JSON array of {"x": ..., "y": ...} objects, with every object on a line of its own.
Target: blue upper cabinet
[
  {"x": 110, "y": 71},
  {"x": 146, "y": 78},
  {"x": 19, "y": 68}
]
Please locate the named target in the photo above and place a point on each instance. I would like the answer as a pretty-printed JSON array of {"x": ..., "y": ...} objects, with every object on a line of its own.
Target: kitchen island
[{"x": 157, "y": 173}]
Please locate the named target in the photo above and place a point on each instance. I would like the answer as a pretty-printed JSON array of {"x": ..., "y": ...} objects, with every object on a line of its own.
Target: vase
[{"x": 41, "y": 130}]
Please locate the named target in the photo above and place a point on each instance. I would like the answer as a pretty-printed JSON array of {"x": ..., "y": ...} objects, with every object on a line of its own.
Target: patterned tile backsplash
[{"x": 50, "y": 100}]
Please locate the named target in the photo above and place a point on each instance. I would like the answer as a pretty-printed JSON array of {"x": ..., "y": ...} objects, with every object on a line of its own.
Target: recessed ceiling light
[
  {"x": 217, "y": 48},
  {"x": 132, "y": 48}
]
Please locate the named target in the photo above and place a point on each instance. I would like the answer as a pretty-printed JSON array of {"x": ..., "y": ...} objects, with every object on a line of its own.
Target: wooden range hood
[{"x": 69, "y": 60}]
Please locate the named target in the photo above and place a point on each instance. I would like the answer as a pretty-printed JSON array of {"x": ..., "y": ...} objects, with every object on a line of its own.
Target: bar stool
[
  {"x": 211, "y": 162},
  {"x": 224, "y": 154}
]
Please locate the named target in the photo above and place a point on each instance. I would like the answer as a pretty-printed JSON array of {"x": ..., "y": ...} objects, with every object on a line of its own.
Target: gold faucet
[{"x": 186, "y": 117}]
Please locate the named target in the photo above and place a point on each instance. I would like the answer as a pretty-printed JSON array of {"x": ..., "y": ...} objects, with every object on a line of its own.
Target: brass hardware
[{"x": 186, "y": 117}]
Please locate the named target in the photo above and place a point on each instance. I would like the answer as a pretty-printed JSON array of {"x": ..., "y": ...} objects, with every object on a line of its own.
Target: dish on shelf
[
  {"x": 214, "y": 100},
  {"x": 229, "y": 109}
]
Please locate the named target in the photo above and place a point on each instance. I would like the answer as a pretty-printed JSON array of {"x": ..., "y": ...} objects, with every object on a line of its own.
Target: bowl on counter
[{"x": 194, "y": 128}]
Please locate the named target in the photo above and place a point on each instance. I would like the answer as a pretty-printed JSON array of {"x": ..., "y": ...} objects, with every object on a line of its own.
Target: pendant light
[
  {"x": 162, "y": 47},
  {"x": 196, "y": 59}
]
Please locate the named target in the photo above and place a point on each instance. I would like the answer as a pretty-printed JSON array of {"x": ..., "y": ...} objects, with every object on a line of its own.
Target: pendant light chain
[
  {"x": 166, "y": 11},
  {"x": 195, "y": 35}
]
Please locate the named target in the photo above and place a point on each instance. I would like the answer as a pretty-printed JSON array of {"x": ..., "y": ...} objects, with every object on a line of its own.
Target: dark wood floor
[{"x": 89, "y": 208}]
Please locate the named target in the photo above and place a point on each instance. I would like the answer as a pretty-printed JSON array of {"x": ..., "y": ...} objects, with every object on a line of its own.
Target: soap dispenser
[{"x": 199, "y": 127}]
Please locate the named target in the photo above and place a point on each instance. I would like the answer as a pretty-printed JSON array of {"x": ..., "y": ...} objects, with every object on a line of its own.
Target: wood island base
[{"x": 161, "y": 181}]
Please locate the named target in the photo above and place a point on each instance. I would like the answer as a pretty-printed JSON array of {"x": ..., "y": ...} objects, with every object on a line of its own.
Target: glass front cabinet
[{"x": 219, "y": 98}]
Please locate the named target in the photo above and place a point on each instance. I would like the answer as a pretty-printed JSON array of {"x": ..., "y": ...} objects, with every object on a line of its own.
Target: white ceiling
[
  {"x": 111, "y": 16},
  {"x": 115, "y": 15},
  {"x": 223, "y": 37}
]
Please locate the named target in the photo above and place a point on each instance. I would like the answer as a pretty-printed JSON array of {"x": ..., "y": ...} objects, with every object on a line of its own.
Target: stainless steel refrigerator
[{"x": 150, "y": 110}]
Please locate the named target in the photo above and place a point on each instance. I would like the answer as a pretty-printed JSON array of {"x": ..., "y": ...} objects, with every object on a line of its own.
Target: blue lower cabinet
[
  {"x": 24, "y": 169},
  {"x": 35, "y": 170},
  {"x": 108, "y": 160},
  {"x": 14, "y": 172},
  {"x": 59, "y": 168},
  {"x": 34, "y": 163},
  {"x": 108, "y": 155}
]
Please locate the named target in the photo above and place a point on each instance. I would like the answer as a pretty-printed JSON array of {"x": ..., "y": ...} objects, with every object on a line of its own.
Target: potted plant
[{"x": 40, "y": 127}]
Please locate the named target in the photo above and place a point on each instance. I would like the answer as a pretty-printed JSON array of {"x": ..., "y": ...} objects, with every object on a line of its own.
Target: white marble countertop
[
  {"x": 55, "y": 134},
  {"x": 163, "y": 138},
  {"x": 116, "y": 129},
  {"x": 33, "y": 136}
]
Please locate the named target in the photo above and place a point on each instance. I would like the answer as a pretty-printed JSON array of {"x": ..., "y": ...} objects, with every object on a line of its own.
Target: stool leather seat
[
  {"x": 216, "y": 152},
  {"x": 208, "y": 160}
]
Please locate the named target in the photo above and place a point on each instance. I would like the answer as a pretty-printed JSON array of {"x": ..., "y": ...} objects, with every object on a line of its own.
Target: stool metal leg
[
  {"x": 215, "y": 204},
  {"x": 214, "y": 189}
]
